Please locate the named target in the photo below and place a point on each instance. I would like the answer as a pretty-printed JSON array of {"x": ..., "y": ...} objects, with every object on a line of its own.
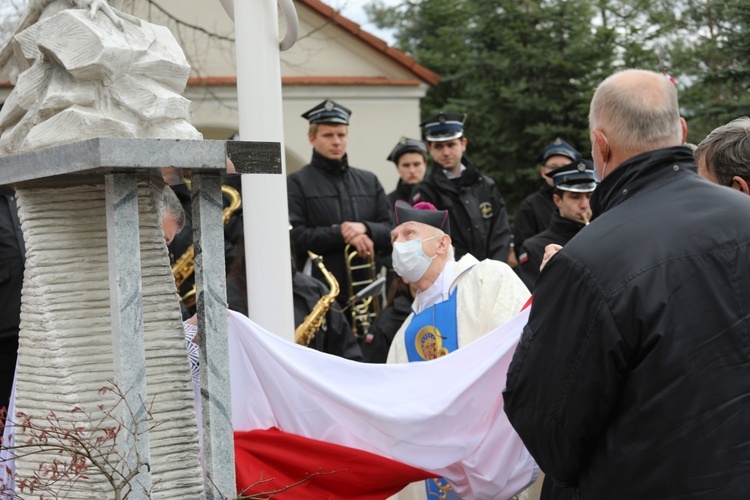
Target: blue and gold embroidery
[
  {"x": 439, "y": 488},
  {"x": 433, "y": 332}
]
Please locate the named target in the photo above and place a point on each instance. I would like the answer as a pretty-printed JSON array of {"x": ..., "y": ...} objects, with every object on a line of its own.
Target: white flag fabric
[{"x": 444, "y": 416}]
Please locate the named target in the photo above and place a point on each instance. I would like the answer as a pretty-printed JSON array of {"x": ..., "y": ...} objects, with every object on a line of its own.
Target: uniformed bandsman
[
  {"x": 574, "y": 184},
  {"x": 410, "y": 158},
  {"x": 477, "y": 210},
  {"x": 535, "y": 211},
  {"x": 332, "y": 204}
]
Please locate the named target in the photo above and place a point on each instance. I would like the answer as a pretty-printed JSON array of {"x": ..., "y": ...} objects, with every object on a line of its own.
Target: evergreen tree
[
  {"x": 523, "y": 71},
  {"x": 720, "y": 78}
]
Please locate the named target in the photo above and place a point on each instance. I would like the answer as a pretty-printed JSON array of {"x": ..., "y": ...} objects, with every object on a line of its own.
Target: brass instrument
[
  {"x": 305, "y": 332},
  {"x": 361, "y": 274},
  {"x": 184, "y": 267}
]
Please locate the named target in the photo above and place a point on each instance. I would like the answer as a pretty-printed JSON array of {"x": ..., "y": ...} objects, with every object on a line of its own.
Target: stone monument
[{"x": 99, "y": 301}]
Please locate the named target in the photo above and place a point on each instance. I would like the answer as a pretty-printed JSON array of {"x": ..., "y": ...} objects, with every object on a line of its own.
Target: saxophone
[
  {"x": 305, "y": 332},
  {"x": 184, "y": 267}
]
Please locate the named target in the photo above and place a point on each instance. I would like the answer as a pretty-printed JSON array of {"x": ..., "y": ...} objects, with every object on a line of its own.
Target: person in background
[
  {"x": 410, "y": 158},
  {"x": 574, "y": 184},
  {"x": 12, "y": 260},
  {"x": 630, "y": 378},
  {"x": 335, "y": 335},
  {"x": 398, "y": 307},
  {"x": 476, "y": 207},
  {"x": 332, "y": 204},
  {"x": 723, "y": 157},
  {"x": 535, "y": 211}
]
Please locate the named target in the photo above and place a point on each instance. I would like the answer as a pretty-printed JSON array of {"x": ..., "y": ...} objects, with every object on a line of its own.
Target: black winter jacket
[
  {"x": 402, "y": 192},
  {"x": 632, "y": 377},
  {"x": 12, "y": 258},
  {"x": 326, "y": 193},
  {"x": 335, "y": 336},
  {"x": 385, "y": 327},
  {"x": 531, "y": 253},
  {"x": 479, "y": 224},
  {"x": 534, "y": 215}
]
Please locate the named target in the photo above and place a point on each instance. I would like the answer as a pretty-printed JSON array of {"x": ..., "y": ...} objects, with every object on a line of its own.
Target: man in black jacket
[
  {"x": 410, "y": 158},
  {"x": 535, "y": 211},
  {"x": 332, "y": 204},
  {"x": 12, "y": 258},
  {"x": 631, "y": 376},
  {"x": 478, "y": 219},
  {"x": 574, "y": 184}
]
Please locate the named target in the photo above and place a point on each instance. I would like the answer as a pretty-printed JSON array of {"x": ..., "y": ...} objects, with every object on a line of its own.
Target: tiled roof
[{"x": 376, "y": 43}]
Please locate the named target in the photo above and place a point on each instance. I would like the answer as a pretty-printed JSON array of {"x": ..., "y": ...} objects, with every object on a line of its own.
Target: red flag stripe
[{"x": 272, "y": 460}]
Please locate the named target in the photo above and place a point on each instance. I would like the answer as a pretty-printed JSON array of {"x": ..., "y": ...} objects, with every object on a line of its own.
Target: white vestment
[{"x": 489, "y": 294}]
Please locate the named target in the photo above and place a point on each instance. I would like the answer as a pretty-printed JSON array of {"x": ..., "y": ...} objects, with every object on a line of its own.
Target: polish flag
[{"x": 311, "y": 425}]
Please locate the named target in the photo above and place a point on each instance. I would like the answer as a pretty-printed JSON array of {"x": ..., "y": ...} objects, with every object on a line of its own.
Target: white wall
[{"x": 381, "y": 113}]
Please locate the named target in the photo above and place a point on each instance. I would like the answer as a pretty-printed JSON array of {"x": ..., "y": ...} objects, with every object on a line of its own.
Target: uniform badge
[
  {"x": 429, "y": 343},
  {"x": 486, "y": 209},
  {"x": 329, "y": 105}
]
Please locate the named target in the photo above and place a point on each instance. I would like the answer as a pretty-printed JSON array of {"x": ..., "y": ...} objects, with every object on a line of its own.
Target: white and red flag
[{"x": 364, "y": 431}]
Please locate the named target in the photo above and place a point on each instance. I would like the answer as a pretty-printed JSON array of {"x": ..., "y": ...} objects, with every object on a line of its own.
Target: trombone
[{"x": 364, "y": 305}]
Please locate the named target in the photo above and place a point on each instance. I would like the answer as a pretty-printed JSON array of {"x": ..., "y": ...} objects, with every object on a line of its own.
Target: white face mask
[{"x": 409, "y": 260}]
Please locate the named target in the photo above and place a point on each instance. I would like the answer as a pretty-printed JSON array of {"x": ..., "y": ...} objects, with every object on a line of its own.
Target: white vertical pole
[{"x": 269, "y": 276}]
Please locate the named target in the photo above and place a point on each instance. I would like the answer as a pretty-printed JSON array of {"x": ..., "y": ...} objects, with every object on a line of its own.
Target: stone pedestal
[{"x": 99, "y": 303}]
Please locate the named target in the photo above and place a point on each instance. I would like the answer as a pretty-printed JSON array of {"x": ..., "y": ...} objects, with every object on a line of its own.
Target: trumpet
[
  {"x": 184, "y": 267},
  {"x": 361, "y": 275}
]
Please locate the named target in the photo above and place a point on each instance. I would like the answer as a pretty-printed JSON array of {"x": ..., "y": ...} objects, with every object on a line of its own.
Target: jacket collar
[
  {"x": 469, "y": 176},
  {"x": 403, "y": 190},
  {"x": 329, "y": 165},
  {"x": 565, "y": 226},
  {"x": 647, "y": 169}
]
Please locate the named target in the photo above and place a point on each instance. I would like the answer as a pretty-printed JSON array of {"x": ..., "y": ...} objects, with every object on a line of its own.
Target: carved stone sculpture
[
  {"x": 83, "y": 70},
  {"x": 79, "y": 75}
]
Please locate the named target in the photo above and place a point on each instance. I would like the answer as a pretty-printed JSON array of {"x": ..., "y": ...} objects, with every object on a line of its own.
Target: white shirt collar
[
  {"x": 450, "y": 174},
  {"x": 438, "y": 291}
]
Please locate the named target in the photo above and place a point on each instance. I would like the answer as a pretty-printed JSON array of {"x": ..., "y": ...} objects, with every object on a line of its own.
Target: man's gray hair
[
  {"x": 726, "y": 151},
  {"x": 169, "y": 205},
  {"x": 637, "y": 117}
]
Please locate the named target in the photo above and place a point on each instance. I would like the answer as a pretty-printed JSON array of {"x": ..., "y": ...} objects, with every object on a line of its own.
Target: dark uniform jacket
[
  {"x": 531, "y": 253},
  {"x": 12, "y": 259},
  {"x": 233, "y": 231},
  {"x": 479, "y": 224},
  {"x": 334, "y": 337},
  {"x": 402, "y": 192},
  {"x": 534, "y": 215},
  {"x": 631, "y": 377},
  {"x": 384, "y": 328},
  {"x": 326, "y": 193}
]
